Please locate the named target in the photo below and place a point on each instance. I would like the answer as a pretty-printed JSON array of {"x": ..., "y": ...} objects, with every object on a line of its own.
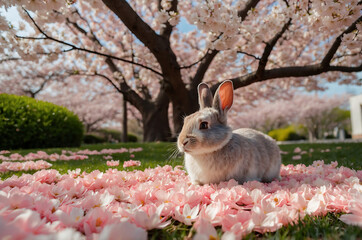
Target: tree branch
[
  {"x": 269, "y": 47},
  {"x": 205, "y": 63},
  {"x": 76, "y": 26},
  {"x": 159, "y": 47},
  {"x": 250, "y": 55},
  {"x": 167, "y": 30},
  {"x": 249, "y": 5},
  {"x": 9, "y": 59},
  {"x": 73, "y": 47},
  {"x": 84, "y": 32},
  {"x": 285, "y": 72},
  {"x": 137, "y": 26},
  {"x": 345, "y": 55},
  {"x": 112, "y": 65},
  {"x": 337, "y": 42},
  {"x": 195, "y": 63},
  {"x": 295, "y": 71},
  {"x": 41, "y": 87},
  {"x": 201, "y": 70},
  {"x": 130, "y": 95},
  {"x": 32, "y": 38}
]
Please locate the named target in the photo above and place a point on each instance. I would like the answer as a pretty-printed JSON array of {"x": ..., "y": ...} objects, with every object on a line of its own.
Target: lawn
[{"x": 160, "y": 154}]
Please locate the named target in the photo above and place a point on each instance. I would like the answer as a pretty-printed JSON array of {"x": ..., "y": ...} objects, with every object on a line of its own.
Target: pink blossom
[
  {"x": 188, "y": 215},
  {"x": 95, "y": 203},
  {"x": 205, "y": 230},
  {"x": 46, "y": 176},
  {"x": 150, "y": 219},
  {"x": 74, "y": 173},
  {"x": 318, "y": 163},
  {"x": 68, "y": 233},
  {"x": 355, "y": 218},
  {"x": 297, "y": 150},
  {"x": 65, "y": 155},
  {"x": 96, "y": 219},
  {"x": 132, "y": 150},
  {"x": 299, "y": 202},
  {"x": 125, "y": 230},
  {"x": 131, "y": 163},
  {"x": 297, "y": 157},
  {"x": 24, "y": 166},
  {"x": 213, "y": 212},
  {"x": 29, "y": 222},
  {"x": 113, "y": 163},
  {"x": 72, "y": 217},
  {"x": 237, "y": 223},
  {"x": 15, "y": 156},
  {"x": 96, "y": 199}
]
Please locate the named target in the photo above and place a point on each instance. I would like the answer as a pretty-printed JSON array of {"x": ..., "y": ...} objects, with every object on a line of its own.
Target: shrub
[
  {"x": 113, "y": 134},
  {"x": 93, "y": 138},
  {"x": 285, "y": 134},
  {"x": 132, "y": 138},
  {"x": 110, "y": 134},
  {"x": 29, "y": 123}
]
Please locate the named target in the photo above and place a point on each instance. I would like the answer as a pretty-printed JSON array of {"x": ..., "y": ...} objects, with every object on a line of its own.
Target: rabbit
[{"x": 214, "y": 153}]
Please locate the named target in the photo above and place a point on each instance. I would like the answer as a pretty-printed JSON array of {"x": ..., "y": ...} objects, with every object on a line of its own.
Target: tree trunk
[
  {"x": 156, "y": 126},
  {"x": 180, "y": 111},
  {"x": 124, "y": 121},
  {"x": 312, "y": 134}
]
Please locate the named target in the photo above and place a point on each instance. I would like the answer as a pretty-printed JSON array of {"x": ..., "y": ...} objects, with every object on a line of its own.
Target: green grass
[
  {"x": 154, "y": 154},
  {"x": 349, "y": 154}
]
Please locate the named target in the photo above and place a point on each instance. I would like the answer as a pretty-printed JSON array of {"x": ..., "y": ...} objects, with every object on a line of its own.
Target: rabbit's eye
[{"x": 204, "y": 125}]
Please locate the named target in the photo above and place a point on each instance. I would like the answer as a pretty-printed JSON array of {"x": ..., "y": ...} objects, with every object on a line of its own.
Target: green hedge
[
  {"x": 29, "y": 123},
  {"x": 115, "y": 134},
  {"x": 93, "y": 138},
  {"x": 285, "y": 134},
  {"x": 99, "y": 137},
  {"x": 132, "y": 137},
  {"x": 110, "y": 134}
]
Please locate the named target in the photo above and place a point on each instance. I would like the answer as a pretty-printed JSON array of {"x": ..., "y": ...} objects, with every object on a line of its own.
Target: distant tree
[
  {"x": 336, "y": 119},
  {"x": 317, "y": 114},
  {"x": 27, "y": 78}
]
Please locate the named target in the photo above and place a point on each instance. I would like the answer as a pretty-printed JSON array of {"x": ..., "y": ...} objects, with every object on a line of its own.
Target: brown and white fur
[{"x": 215, "y": 153}]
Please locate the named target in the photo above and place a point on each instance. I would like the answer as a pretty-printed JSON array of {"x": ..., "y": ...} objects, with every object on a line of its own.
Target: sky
[{"x": 184, "y": 26}]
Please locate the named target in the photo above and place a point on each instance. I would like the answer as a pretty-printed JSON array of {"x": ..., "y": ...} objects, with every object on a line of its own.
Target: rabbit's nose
[{"x": 185, "y": 142}]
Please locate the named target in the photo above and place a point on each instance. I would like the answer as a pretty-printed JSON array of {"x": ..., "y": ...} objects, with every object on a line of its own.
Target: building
[{"x": 356, "y": 116}]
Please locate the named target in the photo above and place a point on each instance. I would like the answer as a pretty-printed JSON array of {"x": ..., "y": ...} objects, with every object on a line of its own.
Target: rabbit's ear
[
  {"x": 223, "y": 99},
  {"x": 205, "y": 96}
]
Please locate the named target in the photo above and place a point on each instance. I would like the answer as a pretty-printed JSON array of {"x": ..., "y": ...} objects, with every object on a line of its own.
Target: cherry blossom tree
[
  {"x": 94, "y": 103},
  {"x": 315, "y": 113},
  {"x": 27, "y": 78},
  {"x": 94, "y": 108},
  {"x": 139, "y": 47}
]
